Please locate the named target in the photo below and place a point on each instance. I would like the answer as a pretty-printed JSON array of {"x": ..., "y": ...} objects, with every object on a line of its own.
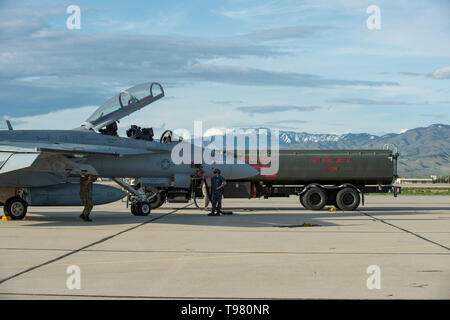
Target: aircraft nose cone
[
  {"x": 231, "y": 168},
  {"x": 239, "y": 170},
  {"x": 242, "y": 171}
]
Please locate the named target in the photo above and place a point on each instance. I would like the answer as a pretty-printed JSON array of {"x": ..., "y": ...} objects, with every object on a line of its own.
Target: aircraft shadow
[
  {"x": 249, "y": 217},
  {"x": 237, "y": 219}
]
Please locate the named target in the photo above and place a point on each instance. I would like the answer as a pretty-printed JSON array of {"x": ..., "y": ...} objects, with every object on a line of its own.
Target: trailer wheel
[
  {"x": 348, "y": 199},
  {"x": 300, "y": 197},
  {"x": 16, "y": 208},
  {"x": 315, "y": 198}
]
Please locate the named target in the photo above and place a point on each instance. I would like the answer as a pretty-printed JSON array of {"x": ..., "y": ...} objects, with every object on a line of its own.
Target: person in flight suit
[
  {"x": 217, "y": 184},
  {"x": 86, "y": 195}
]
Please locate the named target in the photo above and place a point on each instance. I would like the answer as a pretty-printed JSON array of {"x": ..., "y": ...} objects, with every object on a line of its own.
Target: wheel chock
[
  {"x": 309, "y": 225},
  {"x": 332, "y": 209},
  {"x": 6, "y": 218},
  {"x": 27, "y": 218}
]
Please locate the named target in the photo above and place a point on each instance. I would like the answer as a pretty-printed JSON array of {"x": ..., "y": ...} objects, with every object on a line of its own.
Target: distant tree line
[{"x": 443, "y": 179}]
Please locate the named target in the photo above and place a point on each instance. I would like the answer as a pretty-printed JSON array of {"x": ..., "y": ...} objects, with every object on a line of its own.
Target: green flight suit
[{"x": 86, "y": 195}]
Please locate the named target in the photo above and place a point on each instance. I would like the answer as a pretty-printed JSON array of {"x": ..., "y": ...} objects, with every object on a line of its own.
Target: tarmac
[{"x": 392, "y": 248}]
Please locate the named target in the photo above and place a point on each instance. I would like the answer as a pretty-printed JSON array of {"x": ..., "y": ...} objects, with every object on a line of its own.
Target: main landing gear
[{"x": 16, "y": 208}]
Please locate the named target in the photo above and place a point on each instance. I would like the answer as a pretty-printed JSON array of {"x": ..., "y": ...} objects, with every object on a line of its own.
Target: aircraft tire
[
  {"x": 133, "y": 210},
  {"x": 5, "y": 211},
  {"x": 141, "y": 209},
  {"x": 16, "y": 208},
  {"x": 157, "y": 201}
]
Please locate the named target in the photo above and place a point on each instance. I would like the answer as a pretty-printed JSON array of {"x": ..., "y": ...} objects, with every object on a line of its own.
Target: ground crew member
[
  {"x": 86, "y": 195},
  {"x": 206, "y": 190},
  {"x": 217, "y": 184}
]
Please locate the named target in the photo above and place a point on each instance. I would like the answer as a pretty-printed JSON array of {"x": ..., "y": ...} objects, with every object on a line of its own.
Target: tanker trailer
[{"x": 321, "y": 177}]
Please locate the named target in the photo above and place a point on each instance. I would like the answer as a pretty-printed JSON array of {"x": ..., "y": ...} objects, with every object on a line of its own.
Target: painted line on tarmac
[
  {"x": 405, "y": 230},
  {"x": 96, "y": 296},
  {"x": 230, "y": 255},
  {"x": 90, "y": 245},
  {"x": 339, "y": 251}
]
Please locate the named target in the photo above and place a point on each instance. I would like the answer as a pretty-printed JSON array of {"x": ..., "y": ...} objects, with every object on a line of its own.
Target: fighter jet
[{"x": 43, "y": 167}]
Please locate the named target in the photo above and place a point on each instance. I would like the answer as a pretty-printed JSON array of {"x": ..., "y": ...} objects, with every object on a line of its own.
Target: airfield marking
[
  {"x": 405, "y": 230},
  {"x": 235, "y": 255},
  {"x": 135, "y": 297},
  {"x": 89, "y": 245}
]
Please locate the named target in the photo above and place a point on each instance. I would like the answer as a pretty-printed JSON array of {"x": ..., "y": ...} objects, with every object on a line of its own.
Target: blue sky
[{"x": 296, "y": 65}]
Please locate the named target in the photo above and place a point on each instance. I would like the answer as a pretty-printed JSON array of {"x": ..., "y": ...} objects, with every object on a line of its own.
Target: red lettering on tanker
[{"x": 331, "y": 160}]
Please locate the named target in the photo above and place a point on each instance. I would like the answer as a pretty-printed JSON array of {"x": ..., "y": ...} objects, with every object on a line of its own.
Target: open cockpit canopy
[{"x": 124, "y": 104}]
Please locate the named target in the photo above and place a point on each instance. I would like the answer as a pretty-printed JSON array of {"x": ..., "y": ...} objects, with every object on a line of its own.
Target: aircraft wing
[
  {"x": 16, "y": 161},
  {"x": 41, "y": 164},
  {"x": 26, "y": 167},
  {"x": 72, "y": 149}
]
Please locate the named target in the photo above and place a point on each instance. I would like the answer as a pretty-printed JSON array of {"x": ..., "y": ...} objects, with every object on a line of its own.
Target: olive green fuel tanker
[{"x": 328, "y": 167}]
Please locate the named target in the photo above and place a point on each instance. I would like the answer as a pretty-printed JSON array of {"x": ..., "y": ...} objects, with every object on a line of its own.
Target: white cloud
[
  {"x": 272, "y": 8},
  {"x": 443, "y": 73}
]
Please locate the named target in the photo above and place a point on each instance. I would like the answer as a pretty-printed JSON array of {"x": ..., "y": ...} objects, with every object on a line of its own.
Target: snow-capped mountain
[{"x": 325, "y": 141}]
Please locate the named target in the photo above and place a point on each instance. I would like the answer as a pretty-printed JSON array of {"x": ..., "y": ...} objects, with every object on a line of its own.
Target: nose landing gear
[
  {"x": 140, "y": 208},
  {"x": 140, "y": 200}
]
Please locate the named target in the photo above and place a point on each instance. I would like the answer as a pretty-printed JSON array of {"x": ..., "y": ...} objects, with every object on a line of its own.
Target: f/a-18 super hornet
[{"x": 43, "y": 167}]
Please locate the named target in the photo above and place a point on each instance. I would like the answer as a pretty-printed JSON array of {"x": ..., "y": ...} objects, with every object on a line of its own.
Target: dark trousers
[{"x": 216, "y": 201}]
